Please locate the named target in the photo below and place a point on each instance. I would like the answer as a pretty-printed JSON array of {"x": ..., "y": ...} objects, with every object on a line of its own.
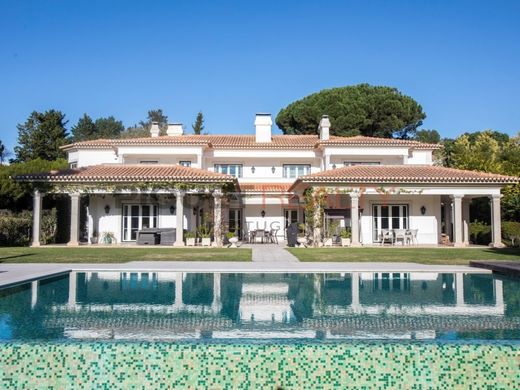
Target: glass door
[
  {"x": 290, "y": 216},
  {"x": 137, "y": 217},
  {"x": 388, "y": 217},
  {"x": 235, "y": 221}
]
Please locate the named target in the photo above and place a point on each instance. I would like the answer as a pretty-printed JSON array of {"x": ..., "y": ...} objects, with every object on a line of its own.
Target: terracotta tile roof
[
  {"x": 420, "y": 174},
  {"x": 125, "y": 173},
  {"x": 265, "y": 187},
  {"x": 216, "y": 141}
]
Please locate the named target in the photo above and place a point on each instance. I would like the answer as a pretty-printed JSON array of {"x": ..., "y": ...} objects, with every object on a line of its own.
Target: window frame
[
  {"x": 286, "y": 170},
  {"x": 240, "y": 167}
]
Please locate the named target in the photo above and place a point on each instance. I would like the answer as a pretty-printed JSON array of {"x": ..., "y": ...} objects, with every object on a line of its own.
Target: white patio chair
[
  {"x": 387, "y": 235},
  {"x": 411, "y": 236},
  {"x": 400, "y": 235}
]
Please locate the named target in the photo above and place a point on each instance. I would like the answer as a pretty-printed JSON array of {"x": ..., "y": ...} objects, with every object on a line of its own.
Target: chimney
[
  {"x": 324, "y": 128},
  {"x": 154, "y": 130},
  {"x": 175, "y": 129},
  {"x": 263, "y": 123}
]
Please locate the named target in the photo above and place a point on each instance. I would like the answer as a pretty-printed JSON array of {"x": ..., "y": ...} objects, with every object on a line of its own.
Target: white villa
[{"x": 243, "y": 183}]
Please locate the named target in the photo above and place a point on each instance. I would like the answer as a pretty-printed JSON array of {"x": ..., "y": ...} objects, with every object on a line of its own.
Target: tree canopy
[
  {"x": 143, "y": 128},
  {"x": 363, "y": 109},
  {"x": 428, "y": 136},
  {"x": 198, "y": 126},
  {"x": 4, "y": 153},
  {"x": 84, "y": 130},
  {"x": 41, "y": 136}
]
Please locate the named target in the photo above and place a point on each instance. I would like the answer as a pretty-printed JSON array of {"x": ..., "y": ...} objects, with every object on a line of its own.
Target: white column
[
  {"x": 217, "y": 218},
  {"x": 179, "y": 218},
  {"x": 459, "y": 289},
  {"x": 499, "y": 294},
  {"x": 457, "y": 220},
  {"x": 465, "y": 220},
  {"x": 37, "y": 211},
  {"x": 496, "y": 222},
  {"x": 34, "y": 294},
  {"x": 447, "y": 217},
  {"x": 72, "y": 288},
  {"x": 216, "y": 305},
  {"x": 327, "y": 162},
  {"x": 90, "y": 223},
  {"x": 354, "y": 218},
  {"x": 355, "y": 292},
  {"x": 74, "y": 219},
  {"x": 178, "y": 290}
]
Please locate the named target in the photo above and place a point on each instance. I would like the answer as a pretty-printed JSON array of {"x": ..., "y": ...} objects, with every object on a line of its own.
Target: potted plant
[
  {"x": 204, "y": 232},
  {"x": 232, "y": 238},
  {"x": 94, "y": 238},
  {"x": 190, "y": 238},
  {"x": 302, "y": 238},
  {"x": 345, "y": 235},
  {"x": 108, "y": 238}
]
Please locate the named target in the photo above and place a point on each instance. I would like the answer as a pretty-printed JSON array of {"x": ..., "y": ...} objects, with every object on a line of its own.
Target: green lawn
[
  {"x": 414, "y": 255},
  {"x": 119, "y": 255}
]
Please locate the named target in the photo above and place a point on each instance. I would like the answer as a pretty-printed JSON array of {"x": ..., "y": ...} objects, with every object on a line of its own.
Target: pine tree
[
  {"x": 41, "y": 136},
  {"x": 84, "y": 130},
  {"x": 198, "y": 126},
  {"x": 109, "y": 127}
]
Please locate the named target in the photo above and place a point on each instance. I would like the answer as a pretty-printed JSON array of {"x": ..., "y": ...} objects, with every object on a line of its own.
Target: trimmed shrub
[
  {"x": 511, "y": 232},
  {"x": 479, "y": 233},
  {"x": 16, "y": 229}
]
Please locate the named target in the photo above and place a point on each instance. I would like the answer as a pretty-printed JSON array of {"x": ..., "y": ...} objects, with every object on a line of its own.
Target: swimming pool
[
  {"x": 236, "y": 330},
  {"x": 169, "y": 306}
]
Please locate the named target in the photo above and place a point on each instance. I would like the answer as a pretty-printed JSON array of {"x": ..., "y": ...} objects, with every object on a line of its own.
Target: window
[
  {"x": 148, "y": 162},
  {"x": 73, "y": 165},
  {"x": 229, "y": 169},
  {"x": 350, "y": 163},
  {"x": 293, "y": 171},
  {"x": 137, "y": 217},
  {"x": 185, "y": 163},
  {"x": 389, "y": 217}
]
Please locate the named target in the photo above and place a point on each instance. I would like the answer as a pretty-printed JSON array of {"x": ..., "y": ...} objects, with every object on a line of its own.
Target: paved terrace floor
[{"x": 11, "y": 274}]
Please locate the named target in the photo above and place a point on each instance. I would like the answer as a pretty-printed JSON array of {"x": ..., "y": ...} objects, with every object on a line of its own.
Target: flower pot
[
  {"x": 206, "y": 241},
  {"x": 233, "y": 241},
  {"x": 93, "y": 240},
  {"x": 327, "y": 242},
  {"x": 345, "y": 241},
  {"x": 302, "y": 241},
  {"x": 190, "y": 241}
]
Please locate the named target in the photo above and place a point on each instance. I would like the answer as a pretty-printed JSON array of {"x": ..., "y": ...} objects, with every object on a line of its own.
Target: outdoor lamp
[
  {"x": 273, "y": 169},
  {"x": 262, "y": 213},
  {"x": 333, "y": 166},
  {"x": 107, "y": 209},
  {"x": 253, "y": 169},
  {"x": 172, "y": 210},
  {"x": 423, "y": 210}
]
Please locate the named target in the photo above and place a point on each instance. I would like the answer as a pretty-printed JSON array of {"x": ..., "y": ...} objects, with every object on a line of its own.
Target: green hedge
[
  {"x": 480, "y": 233},
  {"x": 16, "y": 229}
]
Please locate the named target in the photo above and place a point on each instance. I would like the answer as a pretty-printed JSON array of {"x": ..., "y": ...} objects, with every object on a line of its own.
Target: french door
[
  {"x": 388, "y": 217},
  {"x": 291, "y": 216},
  {"x": 235, "y": 222},
  {"x": 137, "y": 217}
]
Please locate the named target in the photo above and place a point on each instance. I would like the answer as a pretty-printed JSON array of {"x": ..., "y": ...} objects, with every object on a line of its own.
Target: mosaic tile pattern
[{"x": 222, "y": 366}]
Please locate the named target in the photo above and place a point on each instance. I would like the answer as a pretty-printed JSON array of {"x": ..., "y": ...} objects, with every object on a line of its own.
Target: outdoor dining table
[{"x": 406, "y": 236}]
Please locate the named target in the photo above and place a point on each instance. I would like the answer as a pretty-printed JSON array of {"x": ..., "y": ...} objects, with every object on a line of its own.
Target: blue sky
[{"x": 458, "y": 59}]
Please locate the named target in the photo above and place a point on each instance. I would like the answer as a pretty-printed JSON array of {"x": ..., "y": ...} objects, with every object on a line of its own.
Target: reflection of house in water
[{"x": 166, "y": 305}]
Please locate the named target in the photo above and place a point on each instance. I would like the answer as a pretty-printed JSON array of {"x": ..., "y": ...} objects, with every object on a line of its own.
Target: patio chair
[
  {"x": 259, "y": 233},
  {"x": 411, "y": 236},
  {"x": 400, "y": 235},
  {"x": 387, "y": 235},
  {"x": 273, "y": 236}
]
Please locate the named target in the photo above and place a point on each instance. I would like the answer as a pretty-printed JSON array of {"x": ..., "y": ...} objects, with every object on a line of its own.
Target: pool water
[{"x": 231, "y": 307}]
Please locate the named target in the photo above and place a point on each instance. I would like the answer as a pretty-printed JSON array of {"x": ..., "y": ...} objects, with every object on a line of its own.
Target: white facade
[{"x": 268, "y": 169}]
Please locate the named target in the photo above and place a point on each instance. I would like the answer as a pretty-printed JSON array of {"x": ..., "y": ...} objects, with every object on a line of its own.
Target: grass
[
  {"x": 119, "y": 254},
  {"x": 413, "y": 255}
]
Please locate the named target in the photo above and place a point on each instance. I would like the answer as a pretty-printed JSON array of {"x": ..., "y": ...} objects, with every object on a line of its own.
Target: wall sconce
[
  {"x": 423, "y": 210},
  {"x": 107, "y": 209},
  {"x": 333, "y": 166},
  {"x": 172, "y": 210},
  {"x": 262, "y": 213},
  {"x": 273, "y": 169},
  {"x": 253, "y": 169}
]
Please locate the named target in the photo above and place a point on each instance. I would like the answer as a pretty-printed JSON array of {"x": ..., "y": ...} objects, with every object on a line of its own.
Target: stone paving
[{"x": 272, "y": 253}]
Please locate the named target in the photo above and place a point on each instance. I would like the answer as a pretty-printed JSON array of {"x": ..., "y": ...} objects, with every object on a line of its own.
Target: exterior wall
[
  {"x": 87, "y": 157},
  {"x": 421, "y": 157},
  {"x": 428, "y": 225},
  {"x": 274, "y": 218}
]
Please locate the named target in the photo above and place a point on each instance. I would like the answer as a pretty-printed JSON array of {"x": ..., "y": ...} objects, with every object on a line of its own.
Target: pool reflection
[{"x": 177, "y": 305}]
